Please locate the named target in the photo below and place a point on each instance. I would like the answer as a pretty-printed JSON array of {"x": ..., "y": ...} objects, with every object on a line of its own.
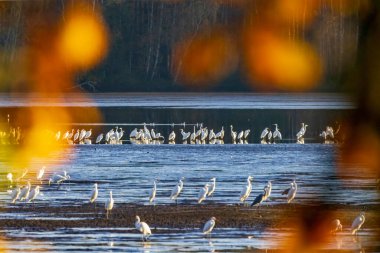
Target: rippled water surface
[{"x": 129, "y": 171}]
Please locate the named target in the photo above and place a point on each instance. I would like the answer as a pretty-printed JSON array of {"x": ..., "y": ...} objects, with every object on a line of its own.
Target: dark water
[{"x": 129, "y": 170}]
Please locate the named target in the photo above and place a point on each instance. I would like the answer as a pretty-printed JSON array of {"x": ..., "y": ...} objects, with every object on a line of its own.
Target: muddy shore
[{"x": 44, "y": 217}]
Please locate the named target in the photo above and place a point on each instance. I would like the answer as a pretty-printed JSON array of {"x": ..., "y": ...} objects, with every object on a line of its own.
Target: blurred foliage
[{"x": 156, "y": 45}]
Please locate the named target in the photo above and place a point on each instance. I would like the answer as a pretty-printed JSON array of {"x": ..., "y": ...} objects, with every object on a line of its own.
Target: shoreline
[{"x": 187, "y": 216}]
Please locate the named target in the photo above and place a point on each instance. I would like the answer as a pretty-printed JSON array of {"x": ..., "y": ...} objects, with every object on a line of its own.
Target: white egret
[
  {"x": 70, "y": 135},
  {"x": 133, "y": 134},
  {"x": 193, "y": 135},
  {"x": 211, "y": 135},
  {"x": 302, "y": 131},
  {"x": 34, "y": 193},
  {"x": 172, "y": 136},
  {"x": 76, "y": 136},
  {"x": 330, "y": 132},
  {"x": 199, "y": 132},
  {"x": 246, "y": 133},
  {"x": 209, "y": 226},
  {"x": 94, "y": 193},
  {"x": 276, "y": 134},
  {"x": 62, "y": 178},
  {"x": 357, "y": 223},
  {"x": 290, "y": 192},
  {"x": 10, "y": 178},
  {"x": 185, "y": 135},
  {"x": 109, "y": 204},
  {"x": 153, "y": 134},
  {"x": 264, "y": 133},
  {"x": 336, "y": 226},
  {"x": 219, "y": 135},
  {"x": 153, "y": 191},
  {"x": 212, "y": 187},
  {"x": 65, "y": 135},
  {"x": 177, "y": 190},
  {"x": 99, "y": 138},
  {"x": 233, "y": 134},
  {"x": 143, "y": 228},
  {"x": 88, "y": 134},
  {"x": 203, "y": 193},
  {"x": 246, "y": 190},
  {"x": 40, "y": 173},
  {"x": 82, "y": 134},
  {"x": 204, "y": 134},
  {"x": 240, "y": 135},
  {"x": 24, "y": 194},
  {"x": 15, "y": 194}
]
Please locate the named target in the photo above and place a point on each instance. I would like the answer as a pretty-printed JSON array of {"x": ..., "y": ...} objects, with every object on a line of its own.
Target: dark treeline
[{"x": 143, "y": 34}]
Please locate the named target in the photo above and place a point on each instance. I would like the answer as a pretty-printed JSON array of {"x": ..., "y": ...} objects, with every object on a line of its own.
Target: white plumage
[
  {"x": 40, "y": 173},
  {"x": 34, "y": 193},
  {"x": 203, "y": 193},
  {"x": 357, "y": 223},
  {"x": 25, "y": 192},
  {"x": 94, "y": 193},
  {"x": 292, "y": 191},
  {"x": 109, "y": 204},
  {"x": 336, "y": 226},
  {"x": 15, "y": 194},
  {"x": 177, "y": 190},
  {"x": 209, "y": 226},
  {"x": 143, "y": 228},
  {"x": 212, "y": 187},
  {"x": 152, "y": 193},
  {"x": 246, "y": 190},
  {"x": 172, "y": 136}
]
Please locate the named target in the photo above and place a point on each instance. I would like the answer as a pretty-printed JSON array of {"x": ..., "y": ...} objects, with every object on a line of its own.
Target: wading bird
[
  {"x": 203, "y": 193},
  {"x": 172, "y": 136},
  {"x": 177, "y": 190},
  {"x": 15, "y": 195},
  {"x": 209, "y": 226},
  {"x": 94, "y": 194},
  {"x": 143, "y": 228},
  {"x": 109, "y": 205},
  {"x": 233, "y": 134},
  {"x": 276, "y": 134},
  {"x": 260, "y": 198},
  {"x": 246, "y": 133},
  {"x": 34, "y": 193},
  {"x": 40, "y": 174},
  {"x": 25, "y": 192},
  {"x": 10, "y": 178},
  {"x": 357, "y": 223},
  {"x": 212, "y": 187},
  {"x": 246, "y": 190},
  {"x": 291, "y": 192},
  {"x": 152, "y": 193},
  {"x": 99, "y": 138}
]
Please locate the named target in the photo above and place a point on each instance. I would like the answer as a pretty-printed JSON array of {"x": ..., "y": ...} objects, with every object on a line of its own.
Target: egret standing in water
[
  {"x": 276, "y": 134},
  {"x": 171, "y": 137},
  {"x": 268, "y": 190},
  {"x": 94, "y": 194},
  {"x": 40, "y": 174},
  {"x": 143, "y": 228},
  {"x": 357, "y": 223},
  {"x": 34, "y": 193},
  {"x": 177, "y": 190},
  {"x": 212, "y": 187},
  {"x": 246, "y": 190},
  {"x": 152, "y": 193},
  {"x": 25, "y": 192},
  {"x": 203, "y": 193},
  {"x": 233, "y": 134},
  {"x": 99, "y": 138},
  {"x": 15, "y": 195},
  {"x": 209, "y": 226},
  {"x": 291, "y": 192},
  {"x": 109, "y": 204},
  {"x": 10, "y": 178}
]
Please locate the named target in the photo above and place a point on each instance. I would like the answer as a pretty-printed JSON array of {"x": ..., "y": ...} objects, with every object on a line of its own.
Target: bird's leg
[{"x": 107, "y": 214}]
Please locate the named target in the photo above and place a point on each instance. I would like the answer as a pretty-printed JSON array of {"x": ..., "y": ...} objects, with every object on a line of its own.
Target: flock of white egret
[
  {"x": 202, "y": 135},
  {"x": 27, "y": 193}
]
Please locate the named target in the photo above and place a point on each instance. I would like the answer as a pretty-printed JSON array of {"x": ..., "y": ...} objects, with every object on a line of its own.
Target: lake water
[{"x": 129, "y": 170}]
